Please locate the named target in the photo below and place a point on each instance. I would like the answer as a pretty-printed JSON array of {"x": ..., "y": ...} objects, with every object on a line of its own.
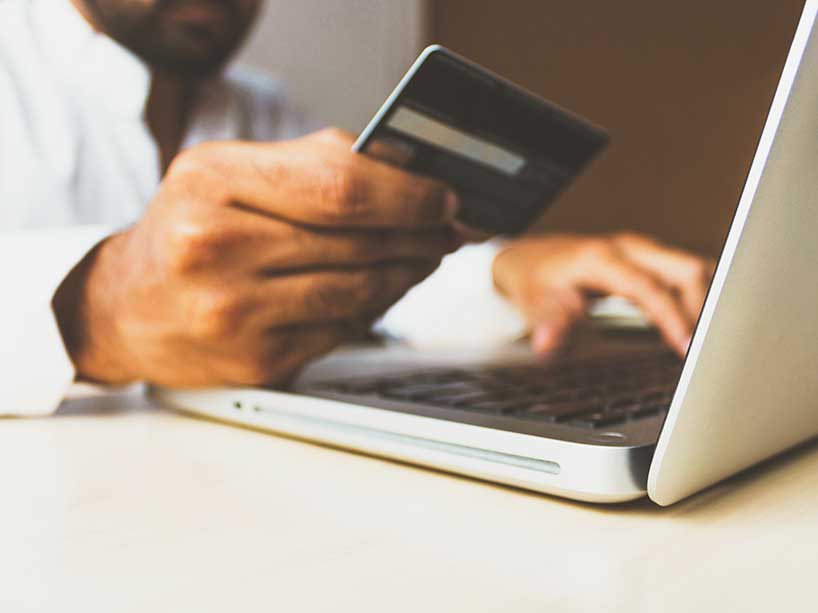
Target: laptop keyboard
[{"x": 588, "y": 394}]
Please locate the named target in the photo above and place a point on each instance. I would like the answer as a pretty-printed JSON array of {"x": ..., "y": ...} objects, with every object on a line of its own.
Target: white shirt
[{"x": 77, "y": 162}]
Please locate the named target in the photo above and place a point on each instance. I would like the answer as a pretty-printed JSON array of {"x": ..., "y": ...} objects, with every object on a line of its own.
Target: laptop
[{"x": 624, "y": 419}]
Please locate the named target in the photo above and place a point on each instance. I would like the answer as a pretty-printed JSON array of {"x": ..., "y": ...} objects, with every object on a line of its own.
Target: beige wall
[
  {"x": 340, "y": 58},
  {"x": 683, "y": 88}
]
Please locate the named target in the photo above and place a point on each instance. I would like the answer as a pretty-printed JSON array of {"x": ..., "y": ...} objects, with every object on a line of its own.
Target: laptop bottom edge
[{"x": 589, "y": 473}]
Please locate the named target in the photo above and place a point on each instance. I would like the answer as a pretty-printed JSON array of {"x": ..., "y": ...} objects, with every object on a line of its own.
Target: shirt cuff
[
  {"x": 457, "y": 307},
  {"x": 37, "y": 370}
]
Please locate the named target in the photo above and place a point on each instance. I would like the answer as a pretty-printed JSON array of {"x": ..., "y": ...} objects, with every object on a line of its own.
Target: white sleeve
[
  {"x": 36, "y": 370},
  {"x": 457, "y": 307}
]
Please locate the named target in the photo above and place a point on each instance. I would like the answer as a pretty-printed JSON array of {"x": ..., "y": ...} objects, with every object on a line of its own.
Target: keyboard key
[
  {"x": 453, "y": 389},
  {"x": 558, "y": 398},
  {"x": 457, "y": 401},
  {"x": 600, "y": 419},
  {"x": 356, "y": 388},
  {"x": 590, "y": 392},
  {"x": 498, "y": 407},
  {"x": 410, "y": 392},
  {"x": 557, "y": 412},
  {"x": 648, "y": 410},
  {"x": 621, "y": 402},
  {"x": 657, "y": 397}
]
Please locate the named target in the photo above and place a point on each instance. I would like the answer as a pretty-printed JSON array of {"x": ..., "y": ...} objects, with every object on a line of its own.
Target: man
[{"x": 249, "y": 258}]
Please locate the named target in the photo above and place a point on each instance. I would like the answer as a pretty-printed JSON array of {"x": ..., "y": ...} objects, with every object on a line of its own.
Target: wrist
[{"x": 84, "y": 307}]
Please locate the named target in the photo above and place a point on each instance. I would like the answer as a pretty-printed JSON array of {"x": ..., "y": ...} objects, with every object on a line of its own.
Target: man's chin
[{"x": 193, "y": 59}]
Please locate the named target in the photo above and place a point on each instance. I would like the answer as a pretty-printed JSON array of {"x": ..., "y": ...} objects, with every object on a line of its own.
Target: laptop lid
[{"x": 749, "y": 387}]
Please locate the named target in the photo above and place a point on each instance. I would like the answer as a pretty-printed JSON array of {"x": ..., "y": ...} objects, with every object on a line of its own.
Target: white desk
[{"x": 113, "y": 506}]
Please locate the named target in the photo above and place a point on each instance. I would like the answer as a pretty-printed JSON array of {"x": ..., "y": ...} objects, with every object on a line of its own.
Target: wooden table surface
[{"x": 113, "y": 505}]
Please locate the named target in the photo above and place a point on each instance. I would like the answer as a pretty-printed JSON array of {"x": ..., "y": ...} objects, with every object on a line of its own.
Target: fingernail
[
  {"x": 685, "y": 345},
  {"x": 451, "y": 207},
  {"x": 541, "y": 339}
]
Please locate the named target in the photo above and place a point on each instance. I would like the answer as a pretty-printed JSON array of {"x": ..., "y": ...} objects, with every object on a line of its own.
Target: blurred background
[{"x": 683, "y": 88}]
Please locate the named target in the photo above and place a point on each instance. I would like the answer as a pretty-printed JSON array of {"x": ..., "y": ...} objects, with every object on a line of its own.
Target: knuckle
[
  {"x": 195, "y": 162},
  {"x": 193, "y": 245},
  {"x": 640, "y": 288},
  {"x": 216, "y": 314},
  {"x": 187, "y": 163},
  {"x": 335, "y": 135},
  {"x": 198, "y": 171},
  {"x": 649, "y": 289},
  {"x": 342, "y": 193},
  {"x": 596, "y": 249}
]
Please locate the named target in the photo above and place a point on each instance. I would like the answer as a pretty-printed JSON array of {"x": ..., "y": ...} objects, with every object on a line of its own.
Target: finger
[
  {"x": 552, "y": 313},
  {"x": 357, "y": 191},
  {"x": 334, "y": 138},
  {"x": 333, "y": 295},
  {"x": 272, "y": 244},
  {"x": 615, "y": 276},
  {"x": 311, "y": 182},
  {"x": 553, "y": 324},
  {"x": 687, "y": 272}
]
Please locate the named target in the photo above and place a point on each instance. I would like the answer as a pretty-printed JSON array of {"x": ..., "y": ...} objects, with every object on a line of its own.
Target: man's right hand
[{"x": 252, "y": 260}]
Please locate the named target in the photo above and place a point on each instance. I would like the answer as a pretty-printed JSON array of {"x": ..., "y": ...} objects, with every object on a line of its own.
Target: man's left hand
[{"x": 550, "y": 279}]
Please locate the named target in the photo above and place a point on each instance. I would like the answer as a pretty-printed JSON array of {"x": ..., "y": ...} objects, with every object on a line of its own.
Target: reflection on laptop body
[{"x": 617, "y": 425}]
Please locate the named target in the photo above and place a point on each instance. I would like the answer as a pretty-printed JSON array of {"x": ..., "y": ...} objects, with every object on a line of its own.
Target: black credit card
[{"x": 507, "y": 152}]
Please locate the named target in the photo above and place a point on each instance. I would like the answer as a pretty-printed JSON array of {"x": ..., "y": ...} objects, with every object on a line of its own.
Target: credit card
[{"x": 507, "y": 152}]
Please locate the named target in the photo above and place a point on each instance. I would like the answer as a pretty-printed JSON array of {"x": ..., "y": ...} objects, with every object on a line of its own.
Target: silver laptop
[{"x": 623, "y": 419}]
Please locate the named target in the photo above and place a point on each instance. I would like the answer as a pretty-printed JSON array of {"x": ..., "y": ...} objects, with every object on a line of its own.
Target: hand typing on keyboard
[{"x": 550, "y": 279}]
